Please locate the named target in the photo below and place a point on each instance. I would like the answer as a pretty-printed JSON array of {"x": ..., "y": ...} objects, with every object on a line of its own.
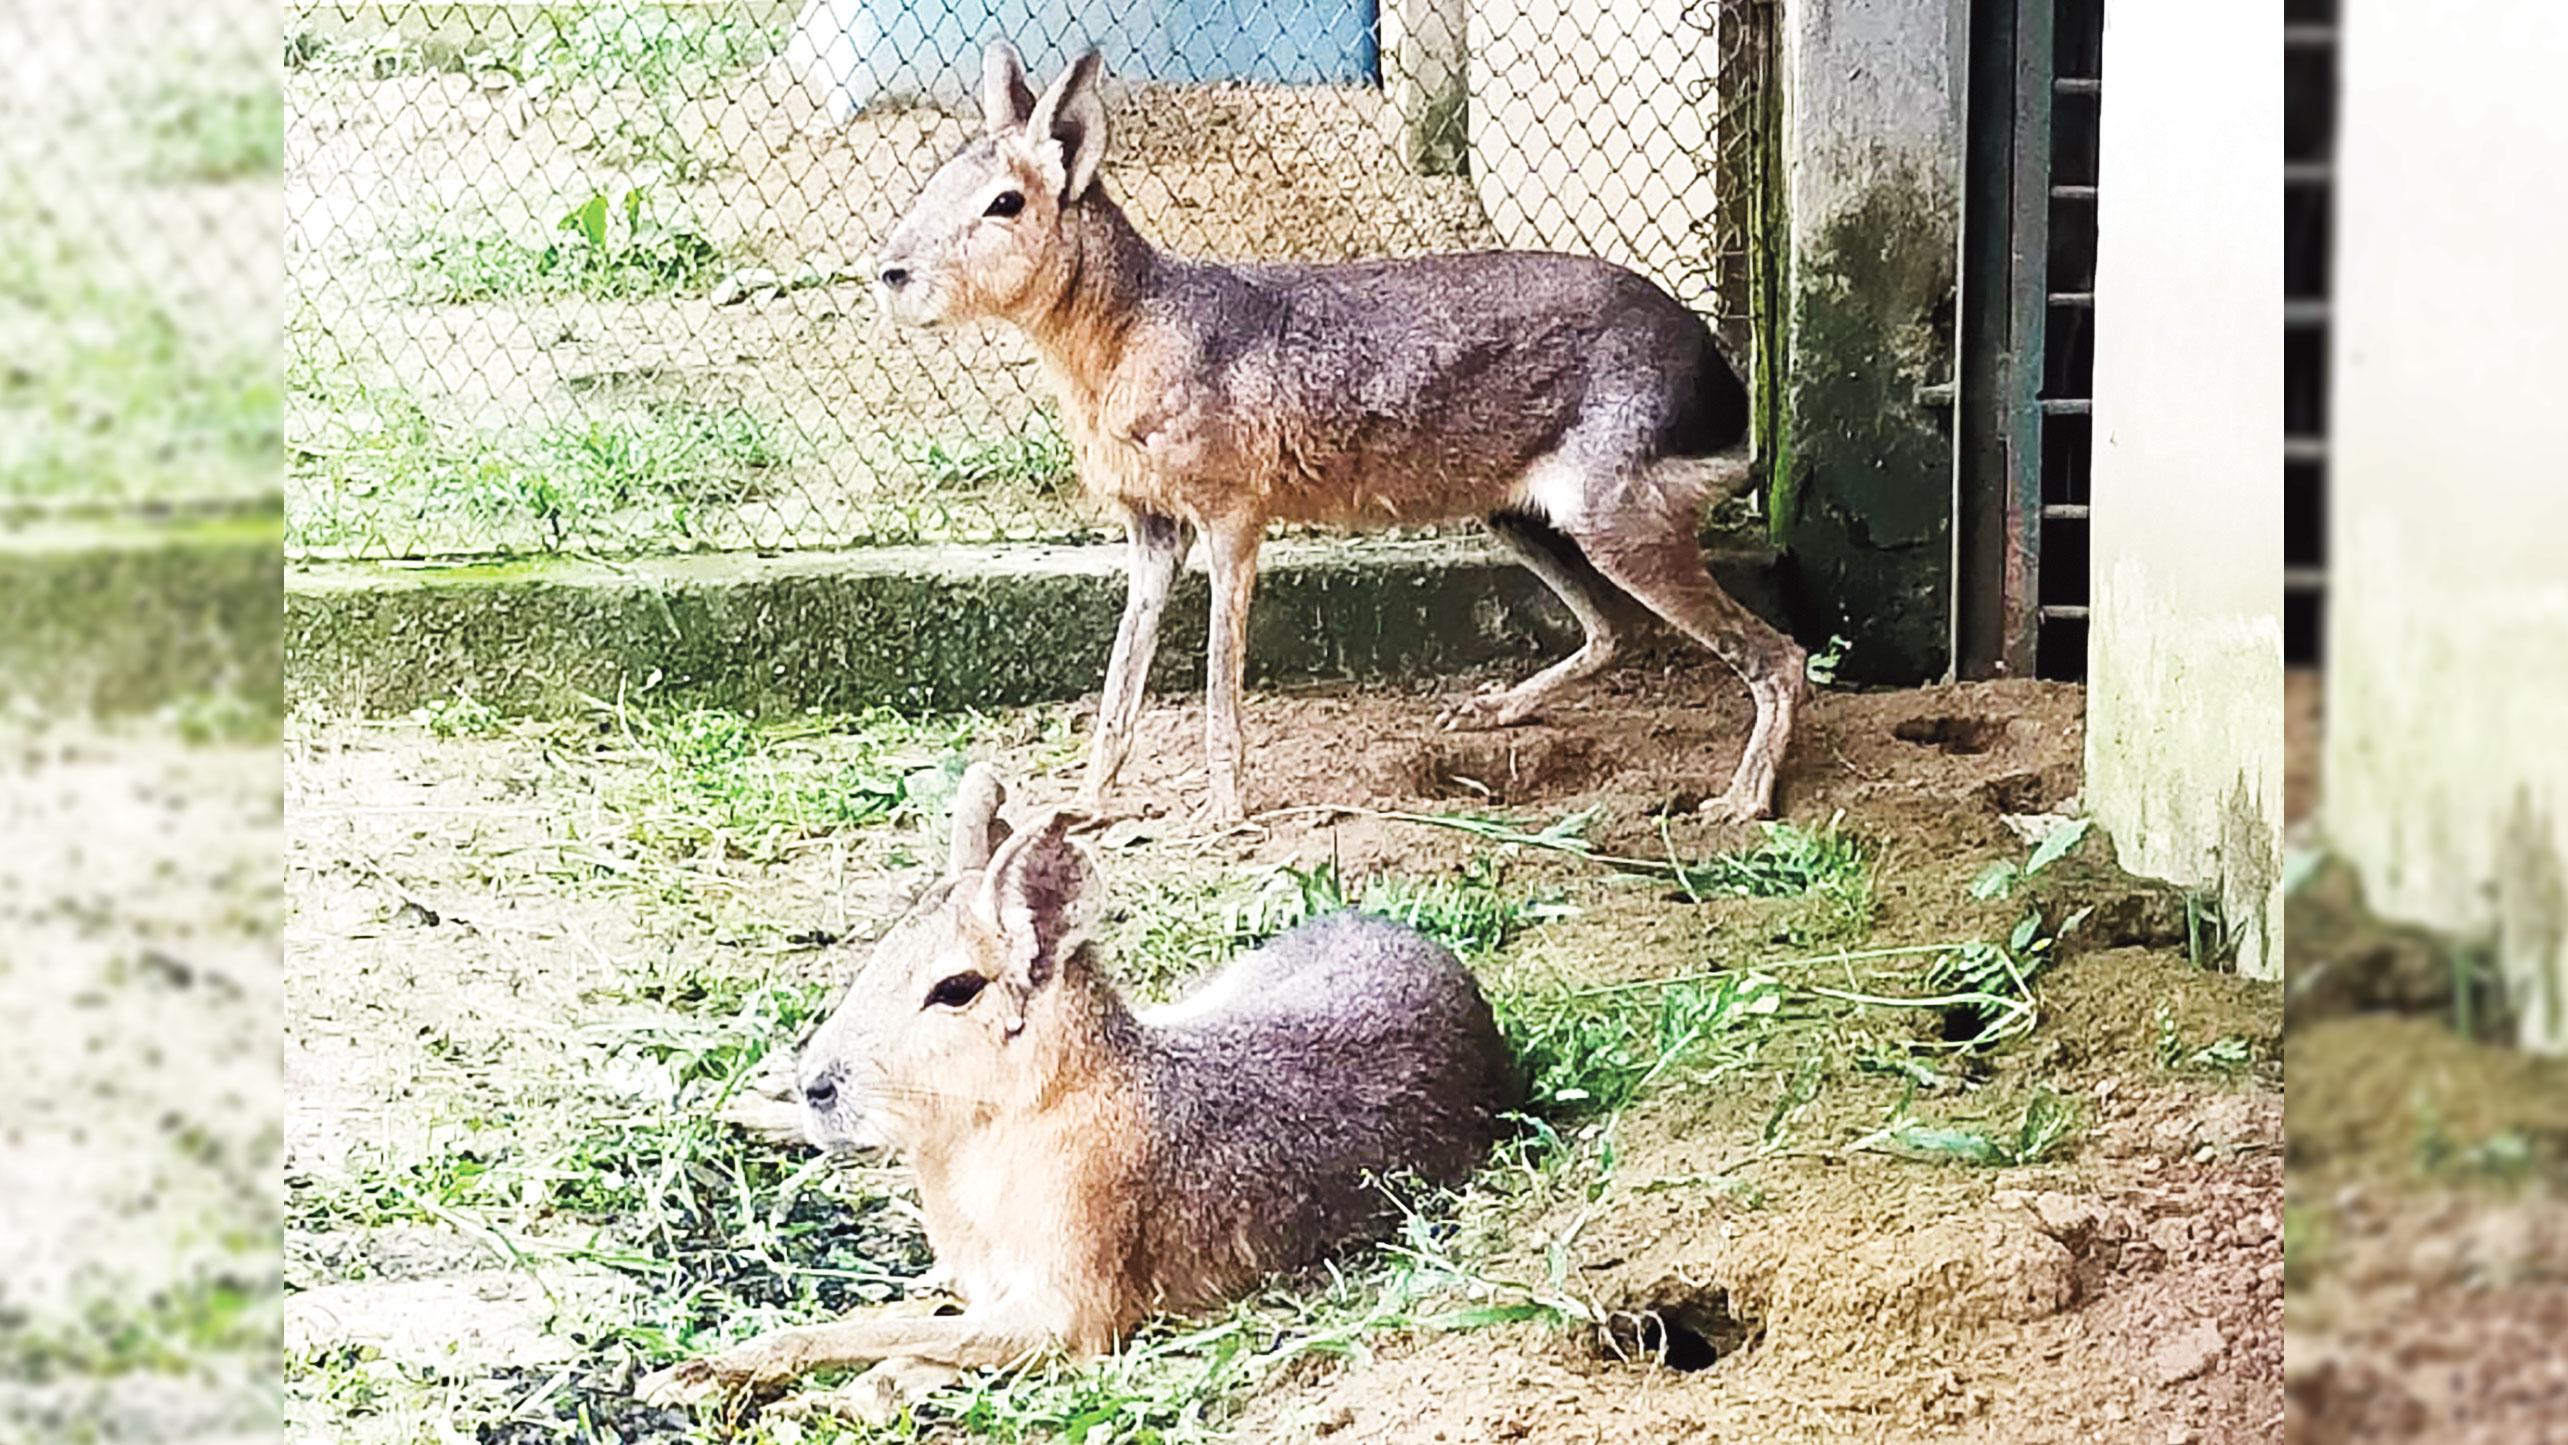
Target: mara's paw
[
  {"x": 1485, "y": 712},
  {"x": 878, "y": 1397},
  {"x": 1738, "y": 805},
  {"x": 765, "y": 1360},
  {"x": 689, "y": 1382}
]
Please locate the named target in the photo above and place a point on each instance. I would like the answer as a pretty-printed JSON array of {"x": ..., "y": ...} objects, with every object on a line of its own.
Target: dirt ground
[
  {"x": 490, "y": 947},
  {"x": 375, "y": 167},
  {"x": 2427, "y": 1175},
  {"x": 139, "y": 1010}
]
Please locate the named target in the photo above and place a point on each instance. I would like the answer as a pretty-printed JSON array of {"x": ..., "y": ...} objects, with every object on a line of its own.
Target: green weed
[
  {"x": 719, "y": 784},
  {"x": 2044, "y": 1130},
  {"x": 168, "y": 1332},
  {"x": 2001, "y": 878},
  {"x": 2227, "y": 1055},
  {"x": 1035, "y": 457},
  {"x": 649, "y": 47},
  {"x": 107, "y": 398},
  {"x": 605, "y": 247},
  {"x": 1586, "y": 1056},
  {"x": 376, "y": 460},
  {"x": 216, "y": 119}
]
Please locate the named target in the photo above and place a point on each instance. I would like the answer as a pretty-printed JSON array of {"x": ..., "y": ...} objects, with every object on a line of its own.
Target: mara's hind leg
[
  {"x": 1640, "y": 532},
  {"x": 1555, "y": 559}
]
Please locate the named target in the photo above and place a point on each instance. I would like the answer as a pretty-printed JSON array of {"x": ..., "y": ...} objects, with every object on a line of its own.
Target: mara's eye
[
  {"x": 1006, "y": 203},
  {"x": 956, "y": 990}
]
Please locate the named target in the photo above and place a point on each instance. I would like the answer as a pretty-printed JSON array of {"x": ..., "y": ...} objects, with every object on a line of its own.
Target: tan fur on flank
[{"x": 1081, "y": 1166}]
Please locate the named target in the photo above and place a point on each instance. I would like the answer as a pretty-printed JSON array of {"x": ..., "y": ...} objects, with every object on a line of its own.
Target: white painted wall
[
  {"x": 2446, "y": 778},
  {"x": 2185, "y": 669}
]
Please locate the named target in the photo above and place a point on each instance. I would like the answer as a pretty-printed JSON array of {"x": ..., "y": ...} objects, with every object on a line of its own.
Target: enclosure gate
[{"x": 2024, "y": 410}]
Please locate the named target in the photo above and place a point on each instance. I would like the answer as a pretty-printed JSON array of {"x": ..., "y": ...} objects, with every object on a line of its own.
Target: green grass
[
  {"x": 1831, "y": 870},
  {"x": 169, "y": 1332},
  {"x": 654, "y": 48},
  {"x": 719, "y": 784},
  {"x": 105, "y": 398},
  {"x": 1034, "y": 458},
  {"x": 604, "y": 247},
  {"x": 217, "y": 119},
  {"x": 373, "y": 468}
]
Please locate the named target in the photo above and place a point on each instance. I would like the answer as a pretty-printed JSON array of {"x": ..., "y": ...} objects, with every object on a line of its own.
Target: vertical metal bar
[
  {"x": 2031, "y": 234},
  {"x": 1997, "y": 502}
]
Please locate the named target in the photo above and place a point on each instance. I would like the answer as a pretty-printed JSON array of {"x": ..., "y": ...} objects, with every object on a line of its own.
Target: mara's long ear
[
  {"x": 1006, "y": 98},
  {"x": 1036, "y": 895},
  {"x": 1072, "y": 113},
  {"x": 977, "y": 829}
]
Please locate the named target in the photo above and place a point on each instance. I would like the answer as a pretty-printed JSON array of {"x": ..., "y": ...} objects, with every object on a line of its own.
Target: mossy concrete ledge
[
  {"x": 126, "y": 616},
  {"x": 932, "y": 628}
]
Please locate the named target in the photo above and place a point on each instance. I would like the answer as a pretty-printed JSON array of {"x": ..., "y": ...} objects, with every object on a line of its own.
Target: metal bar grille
[
  {"x": 2309, "y": 149},
  {"x": 2028, "y": 342},
  {"x": 2068, "y": 358}
]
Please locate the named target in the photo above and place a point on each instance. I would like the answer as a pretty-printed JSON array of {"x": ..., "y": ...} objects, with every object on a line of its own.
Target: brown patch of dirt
[
  {"x": 2430, "y": 1257},
  {"x": 2127, "y": 1290},
  {"x": 1637, "y": 742}
]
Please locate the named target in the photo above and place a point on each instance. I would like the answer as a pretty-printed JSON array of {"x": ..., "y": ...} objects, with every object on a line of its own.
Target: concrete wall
[
  {"x": 2446, "y": 778},
  {"x": 2184, "y": 692},
  {"x": 1591, "y": 130},
  {"x": 1872, "y": 148}
]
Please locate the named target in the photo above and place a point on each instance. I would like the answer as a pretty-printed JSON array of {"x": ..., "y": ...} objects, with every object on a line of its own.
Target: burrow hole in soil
[
  {"x": 1686, "y": 1333},
  {"x": 1965, "y": 736},
  {"x": 1507, "y": 767}
]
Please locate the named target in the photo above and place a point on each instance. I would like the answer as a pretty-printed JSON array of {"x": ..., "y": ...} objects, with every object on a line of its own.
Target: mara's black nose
[
  {"x": 895, "y": 277},
  {"x": 821, "y": 1092}
]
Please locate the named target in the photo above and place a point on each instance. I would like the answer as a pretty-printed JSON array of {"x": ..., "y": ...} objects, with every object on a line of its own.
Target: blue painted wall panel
[{"x": 870, "y": 51}]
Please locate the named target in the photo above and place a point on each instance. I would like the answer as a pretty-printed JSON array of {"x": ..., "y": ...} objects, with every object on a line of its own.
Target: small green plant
[
  {"x": 607, "y": 246},
  {"x": 1992, "y": 983},
  {"x": 460, "y": 716},
  {"x": 1586, "y": 1056},
  {"x": 2040, "y": 1134},
  {"x": 2226, "y": 1055},
  {"x": 1824, "y": 865},
  {"x": 1470, "y": 912},
  {"x": 1821, "y": 667},
  {"x": 2001, "y": 878}
]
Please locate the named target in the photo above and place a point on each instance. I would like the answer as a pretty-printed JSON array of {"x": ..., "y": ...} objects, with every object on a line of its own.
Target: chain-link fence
[
  {"x": 592, "y": 277},
  {"x": 139, "y": 146}
]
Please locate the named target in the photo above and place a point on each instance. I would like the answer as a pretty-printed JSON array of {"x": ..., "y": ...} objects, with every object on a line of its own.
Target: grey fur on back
[
  {"x": 1347, "y": 1050},
  {"x": 1452, "y": 374}
]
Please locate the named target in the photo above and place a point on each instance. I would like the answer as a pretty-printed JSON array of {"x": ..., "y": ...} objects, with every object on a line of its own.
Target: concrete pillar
[
  {"x": 1872, "y": 147},
  {"x": 1425, "y": 84},
  {"x": 2185, "y": 654},
  {"x": 2446, "y": 778}
]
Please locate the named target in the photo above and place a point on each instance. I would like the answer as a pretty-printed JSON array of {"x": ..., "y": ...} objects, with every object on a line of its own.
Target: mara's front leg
[
  {"x": 1158, "y": 544},
  {"x": 955, "y": 1342},
  {"x": 1232, "y": 548}
]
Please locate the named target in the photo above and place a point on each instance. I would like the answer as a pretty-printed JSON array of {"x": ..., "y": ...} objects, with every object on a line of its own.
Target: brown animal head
[
  {"x": 957, "y": 1018},
  {"x": 991, "y": 237}
]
